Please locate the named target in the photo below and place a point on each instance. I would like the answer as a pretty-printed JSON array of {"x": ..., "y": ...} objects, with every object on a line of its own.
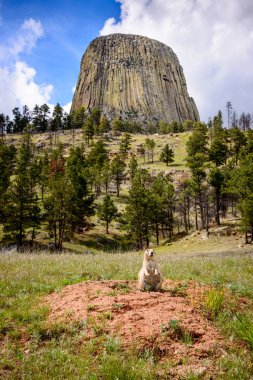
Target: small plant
[
  {"x": 179, "y": 290},
  {"x": 210, "y": 301},
  {"x": 107, "y": 315},
  {"x": 244, "y": 329},
  {"x": 213, "y": 302},
  {"x": 91, "y": 307},
  {"x": 111, "y": 344},
  {"x": 118, "y": 306},
  {"x": 176, "y": 331}
]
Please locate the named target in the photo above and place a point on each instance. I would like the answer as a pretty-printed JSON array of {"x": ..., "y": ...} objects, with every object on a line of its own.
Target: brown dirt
[{"x": 140, "y": 320}]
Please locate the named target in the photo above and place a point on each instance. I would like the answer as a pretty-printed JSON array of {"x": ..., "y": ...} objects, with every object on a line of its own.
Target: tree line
[{"x": 40, "y": 119}]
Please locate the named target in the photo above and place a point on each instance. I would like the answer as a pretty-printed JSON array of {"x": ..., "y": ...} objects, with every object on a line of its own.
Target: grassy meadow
[{"x": 31, "y": 348}]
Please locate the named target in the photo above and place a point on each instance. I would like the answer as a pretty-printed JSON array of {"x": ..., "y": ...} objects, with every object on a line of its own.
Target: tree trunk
[
  {"x": 217, "y": 207},
  {"x": 157, "y": 231},
  {"x": 196, "y": 215}
]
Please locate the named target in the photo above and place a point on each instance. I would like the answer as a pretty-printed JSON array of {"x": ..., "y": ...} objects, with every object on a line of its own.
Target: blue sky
[
  {"x": 42, "y": 42},
  {"x": 68, "y": 27}
]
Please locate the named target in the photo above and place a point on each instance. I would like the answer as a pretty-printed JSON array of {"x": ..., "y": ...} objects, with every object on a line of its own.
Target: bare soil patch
[{"x": 167, "y": 323}]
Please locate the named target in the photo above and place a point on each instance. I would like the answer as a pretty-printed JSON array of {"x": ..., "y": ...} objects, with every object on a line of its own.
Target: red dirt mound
[{"x": 165, "y": 322}]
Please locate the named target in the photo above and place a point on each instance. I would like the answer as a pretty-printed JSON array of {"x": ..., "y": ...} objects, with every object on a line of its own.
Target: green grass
[{"x": 32, "y": 349}]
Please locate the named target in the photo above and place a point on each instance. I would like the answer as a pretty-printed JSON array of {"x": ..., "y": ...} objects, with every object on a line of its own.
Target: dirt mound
[{"x": 167, "y": 322}]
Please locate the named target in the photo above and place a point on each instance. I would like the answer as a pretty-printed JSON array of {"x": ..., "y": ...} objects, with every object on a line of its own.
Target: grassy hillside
[{"x": 95, "y": 238}]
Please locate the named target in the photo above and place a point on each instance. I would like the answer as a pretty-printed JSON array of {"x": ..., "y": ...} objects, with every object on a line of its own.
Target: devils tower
[{"x": 134, "y": 77}]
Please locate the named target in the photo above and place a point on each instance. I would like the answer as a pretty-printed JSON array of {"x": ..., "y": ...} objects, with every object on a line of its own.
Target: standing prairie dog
[{"x": 149, "y": 277}]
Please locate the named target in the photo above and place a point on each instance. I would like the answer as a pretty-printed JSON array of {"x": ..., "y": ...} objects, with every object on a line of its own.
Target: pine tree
[
  {"x": 150, "y": 144},
  {"x": 167, "y": 155},
  {"x": 21, "y": 210},
  {"x": 138, "y": 211},
  {"x": 125, "y": 145},
  {"x": 117, "y": 169},
  {"x": 107, "y": 211},
  {"x": 7, "y": 159}
]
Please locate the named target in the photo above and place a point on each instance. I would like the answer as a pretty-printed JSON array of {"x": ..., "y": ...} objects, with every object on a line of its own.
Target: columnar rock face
[{"x": 133, "y": 77}]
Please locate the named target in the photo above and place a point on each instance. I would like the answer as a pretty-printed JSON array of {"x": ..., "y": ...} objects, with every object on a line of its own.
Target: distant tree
[
  {"x": 197, "y": 157},
  {"x": 2, "y": 125},
  {"x": 218, "y": 152},
  {"x": 150, "y": 144},
  {"x": 152, "y": 128},
  {"x": 98, "y": 154},
  {"x": 117, "y": 169},
  {"x": 104, "y": 125},
  {"x": 106, "y": 175},
  {"x": 163, "y": 127},
  {"x": 217, "y": 178},
  {"x": 188, "y": 125},
  {"x": 133, "y": 166},
  {"x": 57, "y": 120},
  {"x": 141, "y": 152},
  {"x": 20, "y": 120},
  {"x": 167, "y": 155},
  {"x": 117, "y": 125},
  {"x": 125, "y": 145},
  {"x": 96, "y": 159},
  {"x": 229, "y": 109},
  {"x": 95, "y": 119},
  {"x": 77, "y": 118},
  {"x": 239, "y": 141},
  {"x": 88, "y": 130},
  {"x": 107, "y": 211}
]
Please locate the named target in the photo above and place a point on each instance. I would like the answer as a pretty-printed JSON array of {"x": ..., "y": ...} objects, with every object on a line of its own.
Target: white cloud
[
  {"x": 67, "y": 107},
  {"x": 18, "y": 85},
  {"x": 212, "y": 38}
]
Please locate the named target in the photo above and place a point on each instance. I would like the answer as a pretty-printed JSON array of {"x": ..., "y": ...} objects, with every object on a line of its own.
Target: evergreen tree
[
  {"x": 117, "y": 169},
  {"x": 88, "y": 130},
  {"x": 7, "y": 159},
  {"x": 21, "y": 202},
  {"x": 106, "y": 175},
  {"x": 218, "y": 152},
  {"x": 217, "y": 178},
  {"x": 104, "y": 125},
  {"x": 57, "y": 120},
  {"x": 167, "y": 155},
  {"x": 150, "y": 144},
  {"x": 82, "y": 200},
  {"x": 133, "y": 166},
  {"x": 239, "y": 142},
  {"x": 138, "y": 212},
  {"x": 107, "y": 211},
  {"x": 125, "y": 145}
]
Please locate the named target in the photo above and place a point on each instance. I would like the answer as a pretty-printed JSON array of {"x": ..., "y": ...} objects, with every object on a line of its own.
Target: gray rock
[{"x": 133, "y": 77}]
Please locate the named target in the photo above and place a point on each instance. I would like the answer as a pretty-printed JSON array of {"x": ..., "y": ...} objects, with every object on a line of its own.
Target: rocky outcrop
[{"x": 133, "y": 77}]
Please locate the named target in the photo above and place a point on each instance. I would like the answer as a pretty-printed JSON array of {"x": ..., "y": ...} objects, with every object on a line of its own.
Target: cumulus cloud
[
  {"x": 18, "y": 80},
  {"x": 213, "y": 40}
]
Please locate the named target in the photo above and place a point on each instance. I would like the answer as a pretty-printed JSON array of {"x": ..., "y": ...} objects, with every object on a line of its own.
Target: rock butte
[{"x": 134, "y": 77}]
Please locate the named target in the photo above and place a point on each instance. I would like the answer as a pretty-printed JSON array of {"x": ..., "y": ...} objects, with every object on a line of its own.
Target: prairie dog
[{"x": 149, "y": 277}]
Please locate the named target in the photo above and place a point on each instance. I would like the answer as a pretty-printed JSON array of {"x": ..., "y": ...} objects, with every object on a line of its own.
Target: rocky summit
[{"x": 133, "y": 77}]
